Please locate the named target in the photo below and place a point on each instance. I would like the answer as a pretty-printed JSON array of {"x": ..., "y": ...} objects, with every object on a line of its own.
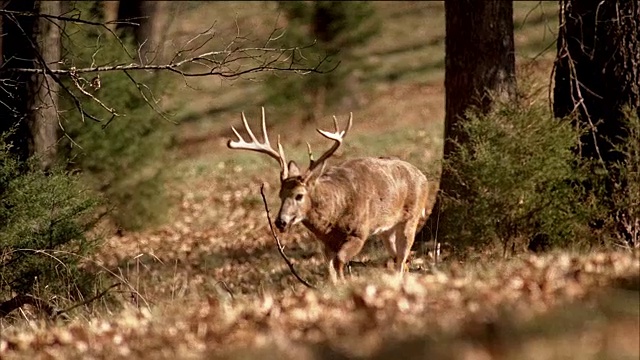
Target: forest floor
[{"x": 211, "y": 284}]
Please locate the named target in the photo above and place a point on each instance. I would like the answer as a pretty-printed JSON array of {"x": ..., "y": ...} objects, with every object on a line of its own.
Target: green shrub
[
  {"x": 44, "y": 222},
  {"x": 521, "y": 179},
  {"x": 626, "y": 190},
  {"x": 125, "y": 158}
]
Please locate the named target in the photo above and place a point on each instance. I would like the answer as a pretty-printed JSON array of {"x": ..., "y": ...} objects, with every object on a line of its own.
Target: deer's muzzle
[{"x": 283, "y": 223}]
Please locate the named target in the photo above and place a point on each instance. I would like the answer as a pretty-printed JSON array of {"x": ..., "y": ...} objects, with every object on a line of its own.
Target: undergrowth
[
  {"x": 124, "y": 157},
  {"x": 45, "y": 223},
  {"x": 521, "y": 180},
  {"x": 522, "y": 184}
]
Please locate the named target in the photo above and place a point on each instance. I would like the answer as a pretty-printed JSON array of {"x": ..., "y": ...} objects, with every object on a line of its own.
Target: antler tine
[
  {"x": 311, "y": 161},
  {"x": 255, "y": 145},
  {"x": 246, "y": 127},
  {"x": 264, "y": 129},
  {"x": 335, "y": 123},
  {"x": 283, "y": 159},
  {"x": 336, "y": 136}
]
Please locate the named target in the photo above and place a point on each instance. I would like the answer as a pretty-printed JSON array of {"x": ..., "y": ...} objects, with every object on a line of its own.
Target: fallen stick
[
  {"x": 279, "y": 244},
  {"x": 53, "y": 312}
]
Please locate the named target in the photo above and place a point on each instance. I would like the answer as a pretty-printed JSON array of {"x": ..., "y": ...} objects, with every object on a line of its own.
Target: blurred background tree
[
  {"x": 339, "y": 28},
  {"x": 123, "y": 158}
]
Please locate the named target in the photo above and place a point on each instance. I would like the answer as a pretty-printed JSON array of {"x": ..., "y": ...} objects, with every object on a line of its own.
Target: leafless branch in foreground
[
  {"x": 52, "y": 312},
  {"x": 215, "y": 63},
  {"x": 21, "y": 300},
  {"x": 279, "y": 245}
]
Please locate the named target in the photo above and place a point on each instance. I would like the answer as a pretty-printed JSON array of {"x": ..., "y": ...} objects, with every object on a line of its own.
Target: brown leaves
[
  {"x": 216, "y": 286},
  {"x": 366, "y": 312}
]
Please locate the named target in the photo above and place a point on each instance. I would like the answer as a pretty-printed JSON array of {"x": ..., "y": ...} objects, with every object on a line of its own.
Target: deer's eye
[{"x": 299, "y": 197}]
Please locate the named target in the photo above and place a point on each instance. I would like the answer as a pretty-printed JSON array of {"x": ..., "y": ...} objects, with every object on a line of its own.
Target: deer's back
[{"x": 370, "y": 194}]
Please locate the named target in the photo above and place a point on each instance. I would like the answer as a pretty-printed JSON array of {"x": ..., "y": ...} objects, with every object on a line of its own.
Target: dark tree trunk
[
  {"x": 597, "y": 75},
  {"x": 17, "y": 52},
  {"x": 479, "y": 59},
  {"x": 147, "y": 33},
  {"x": 599, "y": 49},
  {"x": 29, "y": 102},
  {"x": 2, "y": 6},
  {"x": 479, "y": 69}
]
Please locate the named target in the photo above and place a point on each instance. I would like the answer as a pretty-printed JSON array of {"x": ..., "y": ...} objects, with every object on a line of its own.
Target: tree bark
[
  {"x": 28, "y": 103},
  {"x": 147, "y": 34},
  {"x": 598, "y": 70},
  {"x": 479, "y": 60},
  {"x": 14, "y": 95},
  {"x": 43, "y": 112},
  {"x": 110, "y": 13},
  {"x": 479, "y": 69}
]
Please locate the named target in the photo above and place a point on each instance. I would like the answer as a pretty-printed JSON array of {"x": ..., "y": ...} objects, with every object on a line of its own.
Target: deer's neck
[{"x": 329, "y": 202}]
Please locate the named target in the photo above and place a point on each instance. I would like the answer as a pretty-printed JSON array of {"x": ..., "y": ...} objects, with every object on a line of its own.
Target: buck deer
[{"x": 345, "y": 204}]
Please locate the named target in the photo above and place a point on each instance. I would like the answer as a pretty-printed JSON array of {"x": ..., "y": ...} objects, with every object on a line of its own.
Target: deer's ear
[{"x": 293, "y": 169}]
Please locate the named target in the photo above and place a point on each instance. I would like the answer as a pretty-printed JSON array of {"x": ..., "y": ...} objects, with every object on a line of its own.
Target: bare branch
[
  {"x": 48, "y": 71},
  {"x": 21, "y": 300},
  {"x": 52, "y": 312},
  {"x": 215, "y": 68},
  {"x": 151, "y": 104},
  {"x": 89, "y": 300},
  {"x": 280, "y": 247},
  {"x": 75, "y": 78}
]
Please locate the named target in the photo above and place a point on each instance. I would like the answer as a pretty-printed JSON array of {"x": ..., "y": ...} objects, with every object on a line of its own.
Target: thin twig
[
  {"x": 280, "y": 247},
  {"x": 20, "y": 300},
  {"x": 240, "y": 54},
  {"x": 89, "y": 300},
  {"x": 226, "y": 287},
  {"x": 53, "y": 312}
]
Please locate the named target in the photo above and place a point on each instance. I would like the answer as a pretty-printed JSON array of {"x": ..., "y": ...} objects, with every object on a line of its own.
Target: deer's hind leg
[
  {"x": 405, "y": 234},
  {"x": 389, "y": 240}
]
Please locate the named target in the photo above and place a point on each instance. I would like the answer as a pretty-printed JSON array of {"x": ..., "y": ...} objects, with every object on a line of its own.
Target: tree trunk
[
  {"x": 2, "y": 6},
  {"x": 147, "y": 34},
  {"x": 110, "y": 13},
  {"x": 43, "y": 112},
  {"x": 29, "y": 102},
  {"x": 597, "y": 75},
  {"x": 599, "y": 49},
  {"x": 479, "y": 60},
  {"x": 479, "y": 69},
  {"x": 14, "y": 95}
]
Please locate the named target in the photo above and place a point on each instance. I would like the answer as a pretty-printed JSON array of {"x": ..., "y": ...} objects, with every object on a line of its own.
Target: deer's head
[{"x": 295, "y": 185}]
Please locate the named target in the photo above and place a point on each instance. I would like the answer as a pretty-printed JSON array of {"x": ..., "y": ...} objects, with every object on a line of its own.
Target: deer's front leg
[
  {"x": 348, "y": 250},
  {"x": 332, "y": 262}
]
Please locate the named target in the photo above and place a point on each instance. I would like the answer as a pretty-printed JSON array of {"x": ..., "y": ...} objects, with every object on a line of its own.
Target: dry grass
[{"x": 210, "y": 283}]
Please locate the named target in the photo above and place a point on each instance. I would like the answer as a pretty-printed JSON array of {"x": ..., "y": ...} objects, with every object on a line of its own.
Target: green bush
[
  {"x": 125, "y": 158},
  {"x": 44, "y": 222},
  {"x": 521, "y": 180},
  {"x": 626, "y": 190}
]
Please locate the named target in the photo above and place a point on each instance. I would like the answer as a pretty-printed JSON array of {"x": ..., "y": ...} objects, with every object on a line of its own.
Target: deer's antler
[
  {"x": 336, "y": 136},
  {"x": 255, "y": 145}
]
